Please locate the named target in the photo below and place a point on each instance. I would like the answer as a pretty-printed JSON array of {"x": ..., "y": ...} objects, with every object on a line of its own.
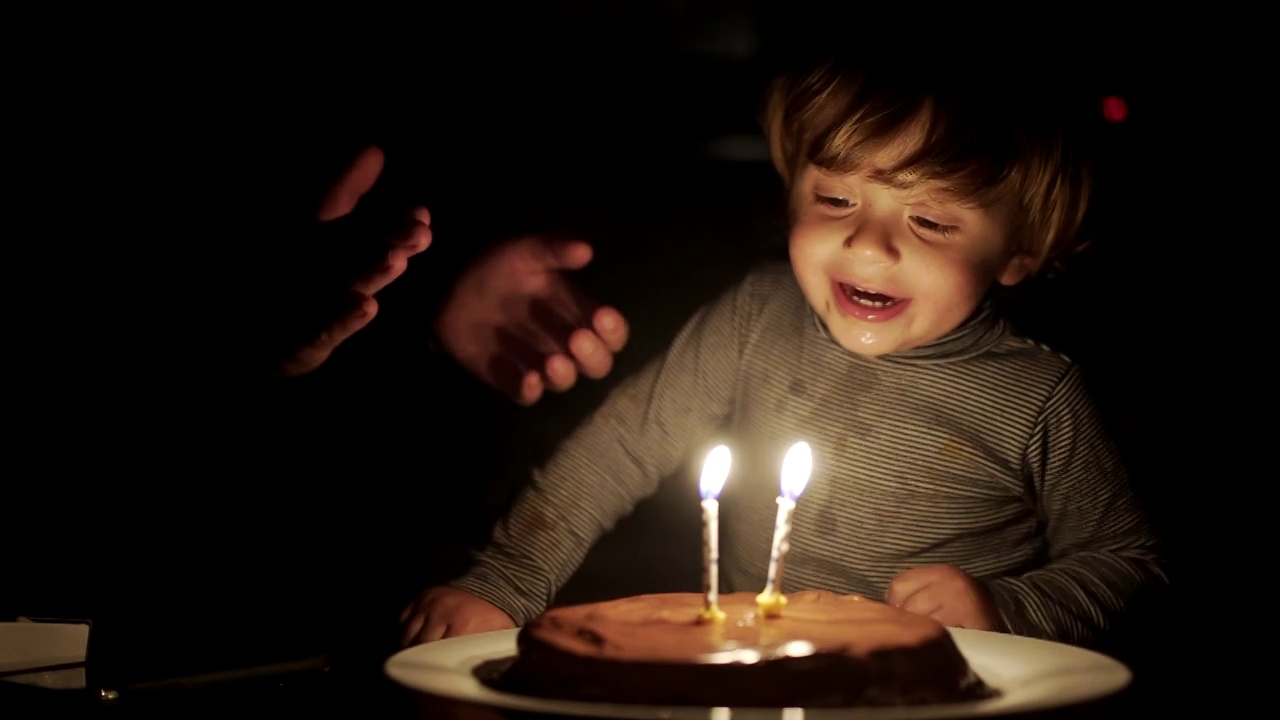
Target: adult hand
[
  {"x": 515, "y": 321},
  {"x": 353, "y": 253}
]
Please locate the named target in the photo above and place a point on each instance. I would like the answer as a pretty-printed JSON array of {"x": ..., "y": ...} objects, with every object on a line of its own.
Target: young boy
[{"x": 960, "y": 471}]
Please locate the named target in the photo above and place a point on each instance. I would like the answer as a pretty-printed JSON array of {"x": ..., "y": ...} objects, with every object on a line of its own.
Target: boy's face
[{"x": 888, "y": 269}]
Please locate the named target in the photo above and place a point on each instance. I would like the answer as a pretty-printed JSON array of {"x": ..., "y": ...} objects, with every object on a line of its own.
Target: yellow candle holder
[
  {"x": 771, "y": 603},
  {"x": 711, "y": 613}
]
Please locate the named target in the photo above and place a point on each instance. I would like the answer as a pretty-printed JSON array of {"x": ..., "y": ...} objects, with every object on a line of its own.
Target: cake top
[{"x": 664, "y": 628}]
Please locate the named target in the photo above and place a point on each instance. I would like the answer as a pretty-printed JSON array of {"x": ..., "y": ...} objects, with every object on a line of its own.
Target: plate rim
[{"x": 471, "y": 650}]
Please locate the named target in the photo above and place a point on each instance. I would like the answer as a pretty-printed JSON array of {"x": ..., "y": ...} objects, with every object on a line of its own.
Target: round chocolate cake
[{"x": 825, "y": 650}]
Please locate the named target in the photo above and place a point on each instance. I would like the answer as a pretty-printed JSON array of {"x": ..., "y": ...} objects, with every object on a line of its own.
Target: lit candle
[
  {"x": 795, "y": 475},
  {"x": 715, "y": 470}
]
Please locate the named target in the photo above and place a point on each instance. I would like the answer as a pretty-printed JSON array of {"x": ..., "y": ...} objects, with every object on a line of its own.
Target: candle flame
[
  {"x": 715, "y": 470},
  {"x": 796, "y": 467}
]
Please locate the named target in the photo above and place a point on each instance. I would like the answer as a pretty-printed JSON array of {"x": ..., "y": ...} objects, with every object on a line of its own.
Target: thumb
[
  {"x": 560, "y": 254},
  {"x": 354, "y": 183}
]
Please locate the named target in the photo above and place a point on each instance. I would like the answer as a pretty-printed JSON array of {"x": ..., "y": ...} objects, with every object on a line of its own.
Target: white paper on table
[{"x": 46, "y": 653}]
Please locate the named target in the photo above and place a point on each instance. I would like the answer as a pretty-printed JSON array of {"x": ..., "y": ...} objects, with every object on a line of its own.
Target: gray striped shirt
[{"x": 982, "y": 450}]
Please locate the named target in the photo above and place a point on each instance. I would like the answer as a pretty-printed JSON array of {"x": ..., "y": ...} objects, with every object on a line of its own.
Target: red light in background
[{"x": 1114, "y": 108}]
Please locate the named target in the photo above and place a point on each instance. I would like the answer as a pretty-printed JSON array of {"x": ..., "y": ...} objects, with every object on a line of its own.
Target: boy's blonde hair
[{"x": 981, "y": 144}]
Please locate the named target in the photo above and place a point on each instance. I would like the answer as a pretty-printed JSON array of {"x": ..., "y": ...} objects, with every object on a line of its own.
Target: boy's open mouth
[{"x": 867, "y": 298}]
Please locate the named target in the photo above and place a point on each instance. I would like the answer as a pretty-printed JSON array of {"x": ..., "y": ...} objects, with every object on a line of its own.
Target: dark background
[{"x": 205, "y": 518}]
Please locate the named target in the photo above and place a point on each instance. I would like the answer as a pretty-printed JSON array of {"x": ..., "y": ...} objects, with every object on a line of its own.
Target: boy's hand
[
  {"x": 443, "y": 612},
  {"x": 946, "y": 594}
]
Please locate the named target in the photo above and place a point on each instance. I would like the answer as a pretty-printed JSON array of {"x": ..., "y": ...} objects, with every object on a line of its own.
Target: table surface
[{"x": 324, "y": 693}]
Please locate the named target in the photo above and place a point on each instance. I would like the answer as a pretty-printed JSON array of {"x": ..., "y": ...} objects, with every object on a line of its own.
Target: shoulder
[
  {"x": 1021, "y": 353},
  {"x": 770, "y": 285},
  {"x": 757, "y": 302},
  {"x": 766, "y": 280},
  {"x": 768, "y": 301},
  {"x": 1026, "y": 373}
]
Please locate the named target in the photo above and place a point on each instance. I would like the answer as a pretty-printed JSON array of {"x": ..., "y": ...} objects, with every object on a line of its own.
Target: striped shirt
[{"x": 982, "y": 450}]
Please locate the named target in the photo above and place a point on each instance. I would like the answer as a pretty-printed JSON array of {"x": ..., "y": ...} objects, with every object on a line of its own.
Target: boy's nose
[{"x": 872, "y": 242}]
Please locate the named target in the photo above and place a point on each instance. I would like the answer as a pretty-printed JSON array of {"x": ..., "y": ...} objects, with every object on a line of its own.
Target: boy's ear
[{"x": 1016, "y": 269}]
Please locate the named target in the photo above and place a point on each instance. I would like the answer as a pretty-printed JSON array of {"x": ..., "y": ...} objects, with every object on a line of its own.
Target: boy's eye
[
  {"x": 838, "y": 203},
  {"x": 930, "y": 226}
]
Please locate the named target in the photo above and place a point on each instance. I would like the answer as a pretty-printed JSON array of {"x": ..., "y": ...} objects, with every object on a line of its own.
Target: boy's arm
[
  {"x": 1102, "y": 553},
  {"x": 648, "y": 425}
]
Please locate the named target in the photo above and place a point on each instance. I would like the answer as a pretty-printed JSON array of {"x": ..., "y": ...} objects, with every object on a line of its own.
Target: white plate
[{"x": 1030, "y": 674}]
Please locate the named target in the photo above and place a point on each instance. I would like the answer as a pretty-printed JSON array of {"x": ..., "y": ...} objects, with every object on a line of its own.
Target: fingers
[
  {"x": 414, "y": 617},
  {"x": 546, "y": 338},
  {"x": 907, "y": 583},
  {"x": 509, "y": 367},
  {"x": 397, "y": 261},
  {"x": 313, "y": 354},
  {"x": 418, "y": 236},
  {"x": 571, "y": 349},
  {"x": 412, "y": 626},
  {"x": 422, "y": 629},
  {"x": 354, "y": 183},
  {"x": 430, "y": 630},
  {"x": 561, "y": 373},
  {"x": 530, "y": 389},
  {"x": 444, "y": 612},
  {"x": 555, "y": 254},
  {"x": 924, "y": 602},
  {"x": 413, "y": 240},
  {"x": 589, "y": 352},
  {"x": 914, "y": 591},
  {"x": 421, "y": 620},
  {"x": 611, "y": 327},
  {"x": 434, "y": 629},
  {"x": 942, "y": 592},
  {"x": 550, "y": 325},
  {"x": 511, "y": 371}
]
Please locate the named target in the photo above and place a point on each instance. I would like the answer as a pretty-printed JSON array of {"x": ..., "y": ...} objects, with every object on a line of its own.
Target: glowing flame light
[
  {"x": 796, "y": 467},
  {"x": 1114, "y": 108},
  {"x": 715, "y": 470}
]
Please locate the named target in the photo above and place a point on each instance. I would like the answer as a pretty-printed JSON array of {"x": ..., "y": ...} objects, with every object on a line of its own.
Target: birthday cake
[{"x": 825, "y": 650}]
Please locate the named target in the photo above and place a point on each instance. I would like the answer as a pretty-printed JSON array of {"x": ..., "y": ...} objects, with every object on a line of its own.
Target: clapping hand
[
  {"x": 352, "y": 253},
  {"x": 516, "y": 322}
]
